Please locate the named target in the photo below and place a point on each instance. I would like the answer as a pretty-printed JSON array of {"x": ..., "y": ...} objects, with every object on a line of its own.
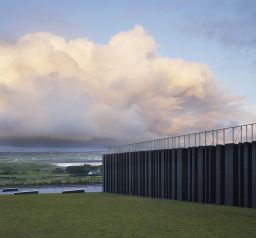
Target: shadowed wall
[{"x": 221, "y": 174}]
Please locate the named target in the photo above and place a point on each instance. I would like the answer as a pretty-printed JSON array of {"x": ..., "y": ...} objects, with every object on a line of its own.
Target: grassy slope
[{"x": 106, "y": 215}]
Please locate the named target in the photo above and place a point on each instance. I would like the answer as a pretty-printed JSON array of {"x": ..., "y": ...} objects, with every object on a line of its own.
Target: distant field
[
  {"x": 38, "y": 173},
  {"x": 107, "y": 215}
]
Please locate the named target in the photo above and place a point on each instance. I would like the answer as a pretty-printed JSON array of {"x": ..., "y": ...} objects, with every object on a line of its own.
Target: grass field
[
  {"x": 107, "y": 215},
  {"x": 36, "y": 174}
]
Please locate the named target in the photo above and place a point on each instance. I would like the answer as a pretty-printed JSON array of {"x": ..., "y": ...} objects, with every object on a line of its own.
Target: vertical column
[
  {"x": 247, "y": 174},
  {"x": 231, "y": 175},
  {"x": 123, "y": 171},
  {"x": 143, "y": 173},
  {"x": 135, "y": 168},
  {"x": 179, "y": 173},
  {"x": 159, "y": 174},
  {"x": 156, "y": 159},
  {"x": 120, "y": 172},
  {"x": 194, "y": 158},
  {"x": 156, "y": 173},
  {"x": 254, "y": 174},
  {"x": 206, "y": 177},
  {"x": 182, "y": 174},
  {"x": 174, "y": 174},
  {"x": 240, "y": 174},
  {"x": 110, "y": 172},
  {"x": 136, "y": 160},
  {"x": 146, "y": 173},
  {"x": 130, "y": 172},
  {"x": 114, "y": 172},
  {"x": 104, "y": 172},
  {"x": 150, "y": 153},
  {"x": 189, "y": 174},
  {"x": 165, "y": 167},
  {"x": 212, "y": 174},
  {"x": 153, "y": 159},
  {"x": 169, "y": 174},
  {"x": 127, "y": 172},
  {"x": 118, "y": 164},
  {"x": 153, "y": 173},
  {"x": 200, "y": 171},
  {"x": 117, "y": 159},
  {"x": 162, "y": 173},
  {"x": 220, "y": 174},
  {"x": 139, "y": 172}
]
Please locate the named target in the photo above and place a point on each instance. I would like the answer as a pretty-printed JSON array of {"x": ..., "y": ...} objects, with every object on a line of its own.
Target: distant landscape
[{"x": 46, "y": 169}]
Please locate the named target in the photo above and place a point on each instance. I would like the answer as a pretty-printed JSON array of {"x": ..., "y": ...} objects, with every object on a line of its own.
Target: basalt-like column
[
  {"x": 182, "y": 174},
  {"x": 220, "y": 174},
  {"x": 212, "y": 174},
  {"x": 253, "y": 174},
  {"x": 231, "y": 175},
  {"x": 240, "y": 153},
  {"x": 162, "y": 173},
  {"x": 201, "y": 173},
  {"x": 247, "y": 152},
  {"x": 194, "y": 174},
  {"x": 174, "y": 174}
]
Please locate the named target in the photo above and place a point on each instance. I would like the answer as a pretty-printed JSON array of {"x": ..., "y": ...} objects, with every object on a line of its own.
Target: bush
[
  {"x": 79, "y": 170},
  {"x": 58, "y": 171}
]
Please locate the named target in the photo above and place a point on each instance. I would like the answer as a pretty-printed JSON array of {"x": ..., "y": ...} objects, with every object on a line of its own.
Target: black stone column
[
  {"x": 254, "y": 174},
  {"x": 220, "y": 174},
  {"x": 194, "y": 157},
  {"x": 240, "y": 174},
  {"x": 247, "y": 174},
  {"x": 182, "y": 174},
  {"x": 212, "y": 174},
  {"x": 231, "y": 175},
  {"x": 162, "y": 172},
  {"x": 174, "y": 174},
  {"x": 189, "y": 171},
  {"x": 201, "y": 173}
]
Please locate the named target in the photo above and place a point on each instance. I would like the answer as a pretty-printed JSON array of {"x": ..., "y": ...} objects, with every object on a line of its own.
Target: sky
[{"x": 82, "y": 75}]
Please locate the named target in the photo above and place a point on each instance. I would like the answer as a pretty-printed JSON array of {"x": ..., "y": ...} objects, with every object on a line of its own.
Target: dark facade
[{"x": 221, "y": 174}]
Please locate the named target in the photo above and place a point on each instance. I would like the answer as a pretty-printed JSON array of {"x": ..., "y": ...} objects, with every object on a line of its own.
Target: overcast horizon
[{"x": 86, "y": 75}]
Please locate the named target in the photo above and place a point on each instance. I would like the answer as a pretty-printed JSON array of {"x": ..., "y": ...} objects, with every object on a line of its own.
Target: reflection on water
[{"x": 59, "y": 189}]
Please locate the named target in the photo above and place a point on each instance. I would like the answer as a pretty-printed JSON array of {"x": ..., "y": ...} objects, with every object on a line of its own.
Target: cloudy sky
[{"x": 81, "y": 75}]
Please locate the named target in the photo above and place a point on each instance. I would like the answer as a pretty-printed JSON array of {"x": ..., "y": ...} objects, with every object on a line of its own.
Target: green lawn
[{"x": 107, "y": 215}]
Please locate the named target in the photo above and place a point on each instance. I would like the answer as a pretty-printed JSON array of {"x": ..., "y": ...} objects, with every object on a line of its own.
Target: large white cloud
[{"x": 123, "y": 91}]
